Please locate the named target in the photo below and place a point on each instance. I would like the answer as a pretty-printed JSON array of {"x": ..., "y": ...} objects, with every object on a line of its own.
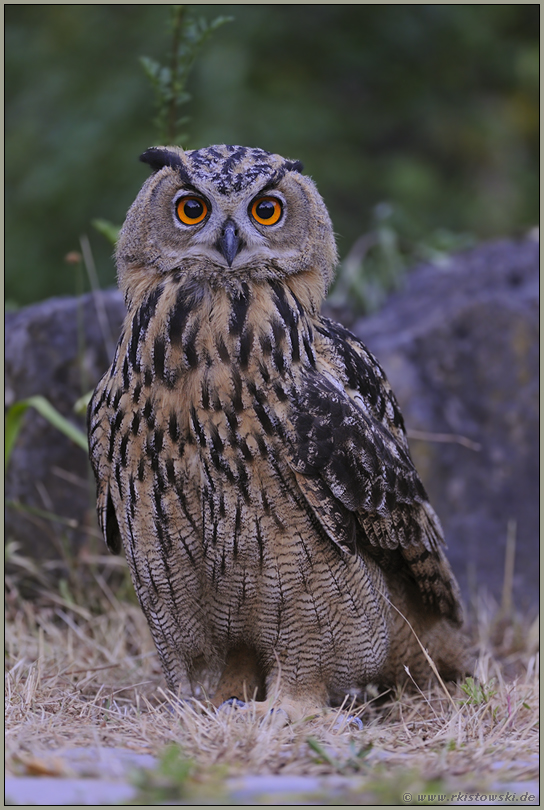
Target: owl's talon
[
  {"x": 277, "y": 717},
  {"x": 231, "y": 704},
  {"x": 177, "y": 703},
  {"x": 348, "y": 722}
]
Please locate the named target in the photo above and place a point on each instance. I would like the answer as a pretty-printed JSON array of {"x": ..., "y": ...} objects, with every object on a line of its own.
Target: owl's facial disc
[
  {"x": 234, "y": 233},
  {"x": 265, "y": 210}
]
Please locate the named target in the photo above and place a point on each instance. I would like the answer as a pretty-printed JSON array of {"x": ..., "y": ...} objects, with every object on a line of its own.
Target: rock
[
  {"x": 95, "y": 776},
  {"x": 79, "y": 776},
  {"x": 58, "y": 348},
  {"x": 459, "y": 345},
  {"x": 54, "y": 791}
]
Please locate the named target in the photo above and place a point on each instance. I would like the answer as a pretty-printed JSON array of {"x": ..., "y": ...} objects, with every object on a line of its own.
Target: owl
[{"x": 250, "y": 455}]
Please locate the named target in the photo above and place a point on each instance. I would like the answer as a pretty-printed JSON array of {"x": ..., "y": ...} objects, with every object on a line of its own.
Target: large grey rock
[
  {"x": 460, "y": 347},
  {"x": 58, "y": 348}
]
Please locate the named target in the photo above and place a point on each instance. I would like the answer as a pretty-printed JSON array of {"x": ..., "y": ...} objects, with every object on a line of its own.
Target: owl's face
[{"x": 222, "y": 214}]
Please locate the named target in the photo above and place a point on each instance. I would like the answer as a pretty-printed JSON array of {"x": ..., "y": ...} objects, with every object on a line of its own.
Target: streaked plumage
[{"x": 250, "y": 455}]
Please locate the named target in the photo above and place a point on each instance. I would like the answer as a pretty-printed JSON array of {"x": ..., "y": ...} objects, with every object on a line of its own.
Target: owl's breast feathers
[{"x": 234, "y": 387}]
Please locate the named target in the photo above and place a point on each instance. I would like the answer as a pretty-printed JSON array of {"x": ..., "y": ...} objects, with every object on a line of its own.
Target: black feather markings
[
  {"x": 189, "y": 349},
  {"x": 279, "y": 174},
  {"x": 246, "y": 344},
  {"x": 222, "y": 350},
  {"x": 140, "y": 325},
  {"x": 240, "y": 306},
  {"x": 352, "y": 452},
  {"x": 159, "y": 356},
  {"x": 237, "y": 391},
  {"x": 111, "y": 528},
  {"x": 114, "y": 428},
  {"x": 362, "y": 487},
  {"x": 294, "y": 166},
  {"x": 363, "y": 371},
  {"x": 126, "y": 375},
  {"x": 178, "y": 317}
]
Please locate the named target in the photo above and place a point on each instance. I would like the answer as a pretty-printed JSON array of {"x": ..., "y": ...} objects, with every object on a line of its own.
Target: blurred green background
[{"x": 426, "y": 112}]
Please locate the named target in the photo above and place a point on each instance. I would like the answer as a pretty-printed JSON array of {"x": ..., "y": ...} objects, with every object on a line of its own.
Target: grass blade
[{"x": 14, "y": 418}]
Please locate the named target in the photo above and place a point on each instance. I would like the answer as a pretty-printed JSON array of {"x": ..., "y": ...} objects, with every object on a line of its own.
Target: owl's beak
[{"x": 230, "y": 243}]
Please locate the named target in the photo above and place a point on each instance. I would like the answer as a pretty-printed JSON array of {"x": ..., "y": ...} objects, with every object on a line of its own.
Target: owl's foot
[
  {"x": 261, "y": 710},
  {"x": 282, "y": 710},
  {"x": 348, "y": 722},
  {"x": 241, "y": 677},
  {"x": 177, "y": 703},
  {"x": 232, "y": 704},
  {"x": 286, "y": 711}
]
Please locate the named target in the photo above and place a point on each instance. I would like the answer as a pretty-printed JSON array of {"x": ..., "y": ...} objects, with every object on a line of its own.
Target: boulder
[
  {"x": 459, "y": 345},
  {"x": 58, "y": 348}
]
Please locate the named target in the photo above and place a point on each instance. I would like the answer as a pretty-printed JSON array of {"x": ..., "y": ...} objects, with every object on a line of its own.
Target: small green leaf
[
  {"x": 44, "y": 407},
  {"x": 107, "y": 229},
  {"x": 320, "y": 751},
  {"x": 83, "y": 403},
  {"x": 33, "y": 510},
  {"x": 151, "y": 67},
  {"x": 14, "y": 418}
]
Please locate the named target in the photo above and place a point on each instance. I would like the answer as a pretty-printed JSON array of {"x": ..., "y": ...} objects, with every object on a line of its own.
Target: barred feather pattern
[{"x": 251, "y": 459}]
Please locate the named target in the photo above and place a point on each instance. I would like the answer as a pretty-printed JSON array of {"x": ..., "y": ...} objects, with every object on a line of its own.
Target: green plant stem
[{"x": 178, "y": 13}]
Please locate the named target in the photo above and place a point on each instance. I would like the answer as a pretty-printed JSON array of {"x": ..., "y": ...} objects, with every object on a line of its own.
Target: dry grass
[{"x": 78, "y": 677}]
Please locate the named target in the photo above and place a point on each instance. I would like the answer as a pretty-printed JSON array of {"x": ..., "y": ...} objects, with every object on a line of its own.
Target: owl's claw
[
  {"x": 177, "y": 703},
  {"x": 348, "y": 722},
  {"x": 232, "y": 704},
  {"x": 277, "y": 717}
]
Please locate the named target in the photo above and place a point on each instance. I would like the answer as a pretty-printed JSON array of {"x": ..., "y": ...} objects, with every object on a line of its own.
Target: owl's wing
[
  {"x": 99, "y": 430},
  {"x": 351, "y": 460}
]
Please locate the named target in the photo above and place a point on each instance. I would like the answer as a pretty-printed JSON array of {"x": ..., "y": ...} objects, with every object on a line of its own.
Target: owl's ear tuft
[
  {"x": 287, "y": 166},
  {"x": 293, "y": 166},
  {"x": 159, "y": 156}
]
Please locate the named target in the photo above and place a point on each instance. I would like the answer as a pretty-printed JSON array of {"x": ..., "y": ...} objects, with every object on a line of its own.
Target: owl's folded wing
[
  {"x": 362, "y": 486},
  {"x": 99, "y": 428}
]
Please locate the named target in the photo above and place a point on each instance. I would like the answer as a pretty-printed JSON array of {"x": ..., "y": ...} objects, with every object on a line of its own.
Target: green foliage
[
  {"x": 14, "y": 420},
  {"x": 477, "y": 693},
  {"x": 378, "y": 260},
  {"x": 433, "y": 109},
  {"x": 176, "y": 781},
  {"x": 170, "y": 82},
  {"x": 107, "y": 229},
  {"x": 82, "y": 403},
  {"x": 355, "y": 762}
]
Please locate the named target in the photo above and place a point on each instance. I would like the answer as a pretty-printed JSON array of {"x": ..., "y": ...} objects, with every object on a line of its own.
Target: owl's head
[{"x": 224, "y": 214}]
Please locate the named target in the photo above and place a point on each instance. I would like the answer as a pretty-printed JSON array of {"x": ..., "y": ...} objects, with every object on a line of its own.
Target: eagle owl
[{"x": 250, "y": 455}]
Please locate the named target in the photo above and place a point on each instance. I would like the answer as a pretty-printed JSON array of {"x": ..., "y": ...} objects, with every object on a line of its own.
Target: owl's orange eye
[
  {"x": 191, "y": 210},
  {"x": 266, "y": 210}
]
